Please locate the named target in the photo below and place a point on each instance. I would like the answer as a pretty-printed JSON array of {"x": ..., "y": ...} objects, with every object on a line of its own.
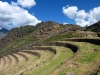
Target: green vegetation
[
  {"x": 95, "y": 28},
  {"x": 84, "y": 60},
  {"x": 21, "y": 73},
  {"x": 72, "y": 34},
  {"x": 59, "y": 58},
  {"x": 16, "y": 44}
]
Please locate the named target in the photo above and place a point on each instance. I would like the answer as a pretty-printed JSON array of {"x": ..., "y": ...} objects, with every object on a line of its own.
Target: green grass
[
  {"x": 55, "y": 38},
  {"x": 88, "y": 55},
  {"x": 85, "y": 58},
  {"x": 59, "y": 58},
  {"x": 69, "y": 35},
  {"x": 18, "y": 43},
  {"x": 59, "y": 37}
]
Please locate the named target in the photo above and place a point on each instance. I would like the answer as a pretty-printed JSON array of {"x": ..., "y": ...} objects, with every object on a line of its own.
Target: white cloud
[
  {"x": 12, "y": 15},
  {"x": 65, "y": 23},
  {"x": 81, "y": 14},
  {"x": 94, "y": 15},
  {"x": 82, "y": 22},
  {"x": 70, "y": 11},
  {"x": 82, "y": 17},
  {"x": 26, "y": 3}
]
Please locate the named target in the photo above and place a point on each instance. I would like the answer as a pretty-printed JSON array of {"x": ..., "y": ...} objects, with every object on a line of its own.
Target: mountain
[
  {"x": 14, "y": 34},
  {"x": 20, "y": 32},
  {"x": 42, "y": 32},
  {"x": 50, "y": 28},
  {"x": 95, "y": 28},
  {"x": 50, "y": 48},
  {"x": 3, "y": 32}
]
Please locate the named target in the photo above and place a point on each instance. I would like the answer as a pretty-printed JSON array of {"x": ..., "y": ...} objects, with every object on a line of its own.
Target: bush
[{"x": 21, "y": 73}]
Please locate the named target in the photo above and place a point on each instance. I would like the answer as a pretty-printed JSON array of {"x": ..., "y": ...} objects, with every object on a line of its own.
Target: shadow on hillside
[
  {"x": 68, "y": 45},
  {"x": 72, "y": 47},
  {"x": 93, "y": 41}
]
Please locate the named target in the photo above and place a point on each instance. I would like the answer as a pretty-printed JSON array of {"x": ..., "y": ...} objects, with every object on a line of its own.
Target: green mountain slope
[{"x": 95, "y": 28}]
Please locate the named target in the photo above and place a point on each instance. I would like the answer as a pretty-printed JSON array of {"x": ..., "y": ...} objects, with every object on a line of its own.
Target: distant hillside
[{"x": 3, "y": 30}]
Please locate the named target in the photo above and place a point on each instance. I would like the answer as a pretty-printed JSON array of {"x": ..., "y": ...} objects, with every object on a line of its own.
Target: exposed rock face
[
  {"x": 49, "y": 28},
  {"x": 46, "y": 27}
]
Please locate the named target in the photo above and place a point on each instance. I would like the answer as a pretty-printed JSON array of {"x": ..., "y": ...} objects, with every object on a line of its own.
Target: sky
[{"x": 16, "y": 13}]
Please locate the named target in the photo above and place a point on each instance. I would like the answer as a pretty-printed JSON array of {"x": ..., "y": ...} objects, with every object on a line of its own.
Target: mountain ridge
[{"x": 3, "y": 30}]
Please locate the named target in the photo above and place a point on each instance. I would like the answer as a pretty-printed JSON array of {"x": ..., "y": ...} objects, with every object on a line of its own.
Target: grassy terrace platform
[
  {"x": 62, "y": 55},
  {"x": 85, "y": 61},
  {"x": 24, "y": 61}
]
